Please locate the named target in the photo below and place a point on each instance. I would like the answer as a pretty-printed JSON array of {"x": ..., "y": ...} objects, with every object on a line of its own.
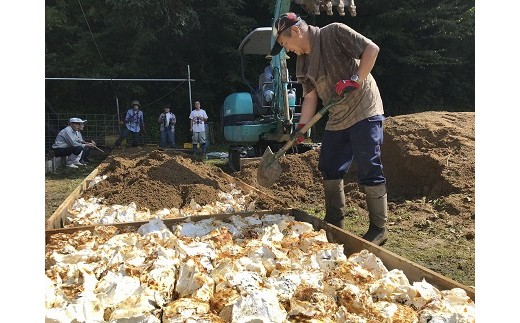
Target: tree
[{"x": 426, "y": 60}]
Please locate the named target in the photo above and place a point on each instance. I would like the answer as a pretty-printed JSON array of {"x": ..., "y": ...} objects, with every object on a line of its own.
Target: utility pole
[
  {"x": 189, "y": 87},
  {"x": 118, "y": 116}
]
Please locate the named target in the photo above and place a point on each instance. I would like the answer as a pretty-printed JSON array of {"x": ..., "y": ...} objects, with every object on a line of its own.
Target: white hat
[{"x": 76, "y": 120}]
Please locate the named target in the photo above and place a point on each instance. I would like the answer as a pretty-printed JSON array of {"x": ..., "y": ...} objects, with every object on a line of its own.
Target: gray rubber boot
[
  {"x": 377, "y": 205},
  {"x": 334, "y": 202}
]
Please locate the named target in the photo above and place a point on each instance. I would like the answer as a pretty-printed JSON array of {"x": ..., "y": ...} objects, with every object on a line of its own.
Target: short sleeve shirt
[
  {"x": 335, "y": 53},
  {"x": 198, "y": 121}
]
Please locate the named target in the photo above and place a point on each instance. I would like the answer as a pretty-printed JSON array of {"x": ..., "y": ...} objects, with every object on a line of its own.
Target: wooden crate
[
  {"x": 351, "y": 244},
  {"x": 59, "y": 218}
]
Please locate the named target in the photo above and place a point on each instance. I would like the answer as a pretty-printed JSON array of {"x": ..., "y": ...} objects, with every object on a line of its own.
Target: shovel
[
  {"x": 98, "y": 148},
  {"x": 269, "y": 168}
]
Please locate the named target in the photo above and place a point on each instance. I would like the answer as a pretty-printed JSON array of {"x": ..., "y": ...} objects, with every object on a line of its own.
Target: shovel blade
[{"x": 269, "y": 169}]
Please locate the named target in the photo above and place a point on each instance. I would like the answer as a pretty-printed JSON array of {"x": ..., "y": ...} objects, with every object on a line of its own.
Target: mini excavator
[{"x": 267, "y": 115}]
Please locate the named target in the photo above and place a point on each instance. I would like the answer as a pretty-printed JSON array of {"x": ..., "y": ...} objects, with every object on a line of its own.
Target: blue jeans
[
  {"x": 136, "y": 139},
  {"x": 85, "y": 154},
  {"x": 361, "y": 143},
  {"x": 168, "y": 137}
]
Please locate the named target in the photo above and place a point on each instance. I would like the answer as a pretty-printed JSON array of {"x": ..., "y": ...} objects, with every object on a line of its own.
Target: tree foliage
[{"x": 426, "y": 62}]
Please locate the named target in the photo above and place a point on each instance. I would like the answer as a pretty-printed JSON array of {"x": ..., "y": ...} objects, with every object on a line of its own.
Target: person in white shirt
[
  {"x": 68, "y": 143},
  {"x": 197, "y": 119}
]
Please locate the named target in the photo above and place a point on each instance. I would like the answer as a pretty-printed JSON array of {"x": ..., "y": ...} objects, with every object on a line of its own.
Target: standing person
[
  {"x": 197, "y": 119},
  {"x": 67, "y": 144},
  {"x": 336, "y": 59},
  {"x": 134, "y": 122},
  {"x": 167, "y": 122}
]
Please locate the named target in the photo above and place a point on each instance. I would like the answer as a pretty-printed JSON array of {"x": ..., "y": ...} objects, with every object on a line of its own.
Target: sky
[{"x": 22, "y": 134}]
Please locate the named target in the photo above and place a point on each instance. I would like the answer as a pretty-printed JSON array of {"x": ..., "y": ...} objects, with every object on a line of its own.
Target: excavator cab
[{"x": 264, "y": 116}]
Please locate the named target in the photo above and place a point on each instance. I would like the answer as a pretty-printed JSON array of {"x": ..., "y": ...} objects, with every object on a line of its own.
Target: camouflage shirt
[{"x": 335, "y": 53}]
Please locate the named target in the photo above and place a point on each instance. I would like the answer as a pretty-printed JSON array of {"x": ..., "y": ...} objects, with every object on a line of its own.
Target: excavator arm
[{"x": 264, "y": 117}]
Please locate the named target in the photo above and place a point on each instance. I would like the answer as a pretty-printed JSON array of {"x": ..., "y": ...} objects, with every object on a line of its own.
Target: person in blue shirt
[{"x": 134, "y": 123}]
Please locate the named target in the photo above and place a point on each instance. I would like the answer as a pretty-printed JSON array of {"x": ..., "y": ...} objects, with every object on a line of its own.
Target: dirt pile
[
  {"x": 430, "y": 154},
  {"x": 155, "y": 179},
  {"x": 429, "y": 163}
]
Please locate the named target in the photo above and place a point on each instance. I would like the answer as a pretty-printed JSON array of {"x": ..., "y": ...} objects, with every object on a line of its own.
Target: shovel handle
[{"x": 308, "y": 125}]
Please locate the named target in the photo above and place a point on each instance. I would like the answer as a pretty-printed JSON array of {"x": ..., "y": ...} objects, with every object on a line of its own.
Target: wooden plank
[
  {"x": 168, "y": 222},
  {"x": 58, "y": 218},
  {"x": 351, "y": 244}
]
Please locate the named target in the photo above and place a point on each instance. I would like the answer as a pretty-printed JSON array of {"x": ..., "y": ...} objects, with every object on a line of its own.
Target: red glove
[
  {"x": 301, "y": 138},
  {"x": 345, "y": 86}
]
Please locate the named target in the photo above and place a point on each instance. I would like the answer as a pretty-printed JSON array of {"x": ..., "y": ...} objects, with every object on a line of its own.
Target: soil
[
  {"x": 156, "y": 179},
  {"x": 429, "y": 164}
]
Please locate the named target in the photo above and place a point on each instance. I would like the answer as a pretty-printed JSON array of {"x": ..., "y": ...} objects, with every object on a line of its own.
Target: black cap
[{"x": 284, "y": 22}]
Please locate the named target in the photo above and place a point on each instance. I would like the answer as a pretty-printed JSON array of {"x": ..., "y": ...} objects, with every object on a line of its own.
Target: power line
[
  {"x": 100, "y": 79},
  {"x": 91, "y": 34}
]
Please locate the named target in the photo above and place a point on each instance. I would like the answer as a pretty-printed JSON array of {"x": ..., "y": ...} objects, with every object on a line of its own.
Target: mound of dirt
[
  {"x": 155, "y": 180},
  {"x": 429, "y": 154},
  {"x": 429, "y": 163},
  {"x": 432, "y": 154}
]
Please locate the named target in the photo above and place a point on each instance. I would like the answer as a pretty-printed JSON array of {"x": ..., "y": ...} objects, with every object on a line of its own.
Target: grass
[{"x": 59, "y": 185}]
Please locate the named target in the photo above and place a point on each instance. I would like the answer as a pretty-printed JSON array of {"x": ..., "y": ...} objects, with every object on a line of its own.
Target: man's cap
[
  {"x": 76, "y": 120},
  {"x": 284, "y": 22},
  {"x": 135, "y": 102}
]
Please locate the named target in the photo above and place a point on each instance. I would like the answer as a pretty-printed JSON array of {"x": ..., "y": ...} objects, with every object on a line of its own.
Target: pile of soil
[
  {"x": 156, "y": 179},
  {"x": 429, "y": 154},
  {"x": 425, "y": 155},
  {"x": 429, "y": 163}
]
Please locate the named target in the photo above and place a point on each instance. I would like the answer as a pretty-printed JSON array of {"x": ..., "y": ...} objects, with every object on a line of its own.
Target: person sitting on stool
[{"x": 67, "y": 144}]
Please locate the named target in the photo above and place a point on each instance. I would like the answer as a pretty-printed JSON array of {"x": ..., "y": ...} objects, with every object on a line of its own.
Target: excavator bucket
[{"x": 269, "y": 169}]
